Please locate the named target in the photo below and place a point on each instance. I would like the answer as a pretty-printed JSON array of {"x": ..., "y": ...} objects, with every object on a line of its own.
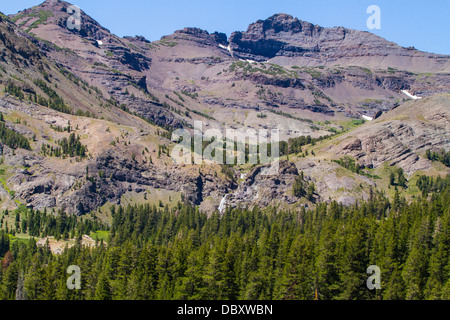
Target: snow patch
[
  {"x": 410, "y": 95},
  {"x": 226, "y": 48},
  {"x": 367, "y": 118}
]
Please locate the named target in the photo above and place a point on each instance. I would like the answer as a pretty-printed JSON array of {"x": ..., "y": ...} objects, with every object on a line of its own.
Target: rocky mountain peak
[
  {"x": 194, "y": 31},
  {"x": 200, "y": 36},
  {"x": 55, "y": 12},
  {"x": 277, "y": 23},
  {"x": 298, "y": 42},
  {"x": 53, "y": 6},
  {"x": 280, "y": 34}
]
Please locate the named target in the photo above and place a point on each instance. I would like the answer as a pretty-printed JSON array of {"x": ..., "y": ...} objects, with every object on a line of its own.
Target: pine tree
[
  {"x": 297, "y": 188},
  {"x": 415, "y": 269},
  {"x": 392, "y": 179},
  {"x": 103, "y": 290},
  {"x": 439, "y": 260}
]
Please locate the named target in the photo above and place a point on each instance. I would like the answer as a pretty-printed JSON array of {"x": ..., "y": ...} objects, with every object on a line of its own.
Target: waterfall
[{"x": 223, "y": 204}]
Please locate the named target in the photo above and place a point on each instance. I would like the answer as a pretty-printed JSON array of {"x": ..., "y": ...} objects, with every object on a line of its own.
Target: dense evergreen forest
[{"x": 180, "y": 253}]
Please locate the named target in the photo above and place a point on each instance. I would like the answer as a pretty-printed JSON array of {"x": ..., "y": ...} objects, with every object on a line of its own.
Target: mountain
[
  {"x": 98, "y": 111},
  {"x": 44, "y": 102},
  {"x": 215, "y": 70},
  {"x": 286, "y": 40},
  {"x": 89, "y": 123},
  {"x": 400, "y": 136}
]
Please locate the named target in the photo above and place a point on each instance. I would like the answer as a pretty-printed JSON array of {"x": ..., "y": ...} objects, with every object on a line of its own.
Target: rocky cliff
[
  {"x": 288, "y": 38},
  {"x": 401, "y": 136}
]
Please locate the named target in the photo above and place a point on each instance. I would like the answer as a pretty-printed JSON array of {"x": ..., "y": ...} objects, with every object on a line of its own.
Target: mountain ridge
[
  {"x": 311, "y": 35},
  {"x": 124, "y": 96}
]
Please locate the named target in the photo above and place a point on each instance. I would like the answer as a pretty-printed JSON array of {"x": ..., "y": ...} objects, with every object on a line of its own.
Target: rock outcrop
[
  {"x": 282, "y": 35},
  {"x": 401, "y": 136},
  {"x": 264, "y": 190}
]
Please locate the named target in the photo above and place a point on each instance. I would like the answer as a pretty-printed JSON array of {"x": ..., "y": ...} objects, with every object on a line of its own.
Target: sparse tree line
[
  {"x": 16, "y": 91},
  {"x": 302, "y": 188},
  {"x": 180, "y": 253},
  {"x": 54, "y": 101},
  {"x": 428, "y": 184},
  {"x": 12, "y": 138},
  {"x": 350, "y": 164},
  {"x": 45, "y": 223},
  {"x": 71, "y": 147},
  {"x": 398, "y": 178},
  {"x": 292, "y": 146},
  {"x": 441, "y": 156}
]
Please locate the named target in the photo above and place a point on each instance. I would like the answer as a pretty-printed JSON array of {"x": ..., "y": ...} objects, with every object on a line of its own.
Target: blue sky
[{"x": 422, "y": 24}]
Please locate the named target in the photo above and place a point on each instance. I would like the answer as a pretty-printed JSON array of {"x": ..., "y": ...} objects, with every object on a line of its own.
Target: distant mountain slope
[
  {"x": 312, "y": 72},
  {"x": 113, "y": 66},
  {"x": 397, "y": 139},
  {"x": 289, "y": 41},
  {"x": 401, "y": 136},
  {"x": 59, "y": 114}
]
